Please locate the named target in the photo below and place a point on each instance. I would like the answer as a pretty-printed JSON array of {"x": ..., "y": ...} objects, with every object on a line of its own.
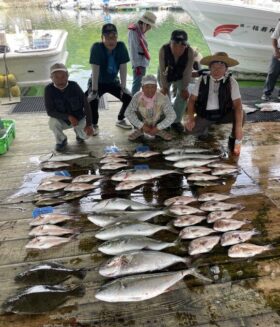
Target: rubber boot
[{"x": 231, "y": 143}]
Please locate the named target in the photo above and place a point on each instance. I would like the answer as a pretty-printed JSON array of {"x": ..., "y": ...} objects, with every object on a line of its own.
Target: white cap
[
  {"x": 58, "y": 68},
  {"x": 149, "y": 79}
]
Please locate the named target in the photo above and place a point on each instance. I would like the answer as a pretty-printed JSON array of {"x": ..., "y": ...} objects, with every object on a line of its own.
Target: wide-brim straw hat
[
  {"x": 219, "y": 56},
  {"x": 148, "y": 18}
]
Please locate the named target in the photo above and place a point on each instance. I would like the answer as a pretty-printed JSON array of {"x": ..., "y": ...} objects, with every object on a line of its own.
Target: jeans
[
  {"x": 137, "y": 79},
  {"x": 271, "y": 79},
  {"x": 180, "y": 104},
  {"x": 57, "y": 126},
  {"x": 114, "y": 89}
]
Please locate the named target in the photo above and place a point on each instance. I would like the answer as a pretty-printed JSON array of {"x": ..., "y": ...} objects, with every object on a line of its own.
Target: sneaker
[
  {"x": 231, "y": 142},
  {"x": 61, "y": 146},
  {"x": 80, "y": 140},
  {"x": 123, "y": 124},
  {"x": 135, "y": 134},
  {"x": 266, "y": 97},
  {"x": 164, "y": 135},
  {"x": 178, "y": 127}
]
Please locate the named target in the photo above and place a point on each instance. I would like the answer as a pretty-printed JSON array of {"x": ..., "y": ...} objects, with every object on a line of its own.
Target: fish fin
[
  {"x": 80, "y": 273},
  {"x": 196, "y": 274},
  {"x": 78, "y": 291},
  {"x": 171, "y": 228},
  {"x": 256, "y": 232}
]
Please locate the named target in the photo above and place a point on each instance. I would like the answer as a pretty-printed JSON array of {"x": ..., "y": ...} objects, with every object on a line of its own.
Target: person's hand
[
  {"x": 164, "y": 91},
  {"x": 185, "y": 94},
  {"x": 138, "y": 71},
  {"x": 73, "y": 120},
  {"x": 89, "y": 130},
  {"x": 92, "y": 96},
  {"x": 190, "y": 123}
]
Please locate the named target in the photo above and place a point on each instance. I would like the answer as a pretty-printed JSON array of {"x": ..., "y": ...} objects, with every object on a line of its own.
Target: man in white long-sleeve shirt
[{"x": 107, "y": 59}]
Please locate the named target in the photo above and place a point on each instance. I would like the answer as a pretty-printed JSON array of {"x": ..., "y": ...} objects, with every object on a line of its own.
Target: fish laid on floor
[
  {"x": 143, "y": 287},
  {"x": 123, "y": 228},
  {"x": 74, "y": 195},
  {"x": 137, "y": 262},
  {"x": 192, "y": 232},
  {"x": 128, "y": 185},
  {"x": 48, "y": 202},
  {"x": 114, "y": 165},
  {"x": 201, "y": 177},
  {"x": 50, "y": 218},
  {"x": 206, "y": 183},
  {"x": 112, "y": 160},
  {"x": 203, "y": 244},
  {"x": 188, "y": 220},
  {"x": 194, "y": 156},
  {"x": 131, "y": 243},
  {"x": 224, "y": 225},
  {"x": 145, "y": 154},
  {"x": 141, "y": 174},
  {"x": 221, "y": 165},
  {"x": 52, "y": 187},
  {"x": 269, "y": 106},
  {"x": 192, "y": 163},
  {"x": 247, "y": 250},
  {"x": 223, "y": 171},
  {"x": 46, "y": 242},
  {"x": 79, "y": 187},
  {"x": 67, "y": 157},
  {"x": 217, "y": 215},
  {"x": 219, "y": 206},
  {"x": 119, "y": 204},
  {"x": 55, "y": 178},
  {"x": 183, "y": 210},
  {"x": 119, "y": 154},
  {"x": 86, "y": 178},
  {"x": 54, "y": 165},
  {"x": 196, "y": 170},
  {"x": 184, "y": 150},
  {"x": 103, "y": 220},
  {"x": 237, "y": 236},
  {"x": 211, "y": 196},
  {"x": 179, "y": 200},
  {"x": 48, "y": 273},
  {"x": 41, "y": 299},
  {"x": 44, "y": 230}
]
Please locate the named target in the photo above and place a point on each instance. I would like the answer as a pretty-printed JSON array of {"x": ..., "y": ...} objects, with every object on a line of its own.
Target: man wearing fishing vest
[
  {"x": 138, "y": 48},
  {"x": 175, "y": 69},
  {"x": 216, "y": 99}
]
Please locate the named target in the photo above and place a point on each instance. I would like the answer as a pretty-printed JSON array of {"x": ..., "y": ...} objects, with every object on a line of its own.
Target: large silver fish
[
  {"x": 184, "y": 156},
  {"x": 184, "y": 150},
  {"x": 191, "y": 232},
  {"x": 217, "y": 215},
  {"x": 184, "y": 210},
  {"x": 67, "y": 157},
  {"x": 40, "y": 299},
  {"x": 221, "y": 165},
  {"x": 51, "y": 187},
  {"x": 42, "y": 202},
  {"x": 188, "y": 220},
  {"x": 112, "y": 160},
  {"x": 203, "y": 244},
  {"x": 136, "y": 262},
  {"x": 79, "y": 187},
  {"x": 44, "y": 230},
  {"x": 219, "y": 206},
  {"x": 247, "y": 250},
  {"x": 237, "y": 236},
  {"x": 114, "y": 165},
  {"x": 145, "y": 154},
  {"x": 46, "y": 242},
  {"x": 128, "y": 185},
  {"x": 201, "y": 177},
  {"x": 192, "y": 163},
  {"x": 119, "y": 204},
  {"x": 179, "y": 200},
  {"x": 142, "y": 287},
  {"x": 131, "y": 243},
  {"x": 50, "y": 218},
  {"x": 103, "y": 220},
  {"x": 54, "y": 165},
  {"x": 86, "y": 178},
  {"x": 141, "y": 174},
  {"x": 223, "y": 171},
  {"x": 196, "y": 170},
  {"x": 129, "y": 228},
  {"x": 211, "y": 196},
  {"x": 224, "y": 225}
]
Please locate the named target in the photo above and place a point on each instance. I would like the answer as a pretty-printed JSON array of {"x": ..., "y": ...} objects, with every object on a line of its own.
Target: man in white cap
[
  {"x": 150, "y": 112},
  {"x": 67, "y": 107},
  {"x": 138, "y": 48},
  {"x": 216, "y": 99}
]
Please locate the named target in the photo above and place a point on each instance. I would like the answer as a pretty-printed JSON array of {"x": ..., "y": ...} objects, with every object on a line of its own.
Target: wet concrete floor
[{"x": 244, "y": 292}]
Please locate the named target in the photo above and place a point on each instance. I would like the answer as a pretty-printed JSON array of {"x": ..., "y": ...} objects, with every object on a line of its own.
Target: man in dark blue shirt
[
  {"x": 107, "y": 59},
  {"x": 67, "y": 107}
]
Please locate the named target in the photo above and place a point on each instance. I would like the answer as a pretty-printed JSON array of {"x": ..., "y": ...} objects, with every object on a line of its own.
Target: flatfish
[
  {"x": 79, "y": 187},
  {"x": 48, "y": 273},
  {"x": 50, "y": 218},
  {"x": 141, "y": 174},
  {"x": 219, "y": 206},
  {"x": 247, "y": 250},
  {"x": 238, "y": 236},
  {"x": 51, "y": 187},
  {"x": 119, "y": 204},
  {"x": 188, "y": 220},
  {"x": 46, "y": 242},
  {"x": 43, "y": 230},
  {"x": 86, "y": 178},
  {"x": 211, "y": 196},
  {"x": 192, "y": 232},
  {"x": 129, "y": 185},
  {"x": 136, "y": 262},
  {"x": 142, "y": 287},
  {"x": 179, "y": 200},
  {"x": 184, "y": 210},
  {"x": 203, "y": 244},
  {"x": 131, "y": 243},
  {"x": 217, "y": 215},
  {"x": 41, "y": 299},
  {"x": 224, "y": 225},
  {"x": 54, "y": 165}
]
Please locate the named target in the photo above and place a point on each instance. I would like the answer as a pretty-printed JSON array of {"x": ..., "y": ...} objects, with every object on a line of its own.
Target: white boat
[
  {"x": 122, "y": 4},
  {"x": 31, "y": 55},
  {"x": 240, "y": 28}
]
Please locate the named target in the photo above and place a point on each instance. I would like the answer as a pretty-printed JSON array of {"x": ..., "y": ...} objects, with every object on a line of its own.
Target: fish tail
[
  {"x": 196, "y": 274},
  {"x": 170, "y": 227},
  {"x": 78, "y": 291},
  {"x": 256, "y": 232},
  {"x": 270, "y": 247},
  {"x": 80, "y": 273}
]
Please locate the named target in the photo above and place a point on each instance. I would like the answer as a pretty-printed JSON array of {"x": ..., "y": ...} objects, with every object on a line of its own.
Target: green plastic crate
[{"x": 7, "y": 139}]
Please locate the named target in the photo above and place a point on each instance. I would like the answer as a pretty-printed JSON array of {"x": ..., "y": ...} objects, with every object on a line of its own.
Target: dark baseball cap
[
  {"x": 179, "y": 36},
  {"x": 109, "y": 28}
]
